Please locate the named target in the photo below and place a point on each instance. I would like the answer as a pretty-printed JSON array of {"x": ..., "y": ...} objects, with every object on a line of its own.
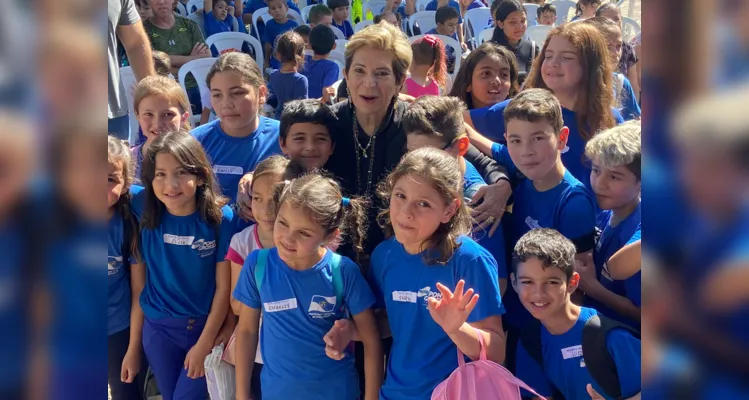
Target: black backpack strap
[
  {"x": 530, "y": 338},
  {"x": 598, "y": 360}
]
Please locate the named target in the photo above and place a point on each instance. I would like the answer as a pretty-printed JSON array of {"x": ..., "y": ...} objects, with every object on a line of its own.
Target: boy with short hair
[
  {"x": 615, "y": 155},
  {"x": 218, "y": 17},
  {"x": 544, "y": 277},
  {"x": 276, "y": 27},
  {"x": 447, "y": 24},
  {"x": 250, "y": 6},
  {"x": 304, "y": 134},
  {"x": 320, "y": 14},
  {"x": 432, "y": 121},
  {"x": 435, "y": 5},
  {"x": 546, "y": 194},
  {"x": 303, "y": 31},
  {"x": 546, "y": 14},
  {"x": 340, "y": 16},
  {"x": 320, "y": 72}
]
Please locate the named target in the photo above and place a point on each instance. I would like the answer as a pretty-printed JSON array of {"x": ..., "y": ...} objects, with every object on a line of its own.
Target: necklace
[
  {"x": 356, "y": 138},
  {"x": 370, "y": 147}
]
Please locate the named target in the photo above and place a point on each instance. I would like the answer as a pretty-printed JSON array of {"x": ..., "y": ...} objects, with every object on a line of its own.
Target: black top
[{"x": 524, "y": 52}]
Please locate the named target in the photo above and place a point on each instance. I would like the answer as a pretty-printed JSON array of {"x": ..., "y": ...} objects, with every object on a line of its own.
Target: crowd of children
[{"x": 192, "y": 265}]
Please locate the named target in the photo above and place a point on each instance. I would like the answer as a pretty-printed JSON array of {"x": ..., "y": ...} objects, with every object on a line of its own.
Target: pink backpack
[{"x": 482, "y": 379}]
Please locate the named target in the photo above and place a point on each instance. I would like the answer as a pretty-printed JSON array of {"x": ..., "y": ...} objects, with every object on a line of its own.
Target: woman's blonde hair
[
  {"x": 383, "y": 37},
  {"x": 157, "y": 85}
]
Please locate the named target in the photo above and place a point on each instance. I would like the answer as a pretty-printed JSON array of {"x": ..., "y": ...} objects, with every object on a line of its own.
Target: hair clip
[
  {"x": 345, "y": 201},
  {"x": 431, "y": 39}
]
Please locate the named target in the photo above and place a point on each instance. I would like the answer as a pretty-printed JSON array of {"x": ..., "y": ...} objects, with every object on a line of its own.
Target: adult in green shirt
[{"x": 181, "y": 39}]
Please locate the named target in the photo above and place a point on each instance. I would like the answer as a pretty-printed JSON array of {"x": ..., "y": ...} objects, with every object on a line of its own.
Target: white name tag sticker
[
  {"x": 178, "y": 240},
  {"x": 228, "y": 170},
  {"x": 572, "y": 352},
  {"x": 283, "y": 305},
  {"x": 404, "y": 297}
]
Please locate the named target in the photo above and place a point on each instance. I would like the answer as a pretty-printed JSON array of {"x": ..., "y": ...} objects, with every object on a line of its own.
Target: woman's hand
[
  {"x": 489, "y": 212},
  {"x": 130, "y": 366},
  {"x": 195, "y": 360},
  {"x": 244, "y": 198},
  {"x": 452, "y": 311}
]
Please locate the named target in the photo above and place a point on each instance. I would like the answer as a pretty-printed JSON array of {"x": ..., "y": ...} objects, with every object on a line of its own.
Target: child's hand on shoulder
[
  {"x": 195, "y": 360},
  {"x": 338, "y": 338},
  {"x": 452, "y": 310}
]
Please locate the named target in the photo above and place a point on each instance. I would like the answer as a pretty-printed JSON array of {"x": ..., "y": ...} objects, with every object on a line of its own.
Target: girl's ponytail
[
  {"x": 355, "y": 220},
  {"x": 430, "y": 50}
]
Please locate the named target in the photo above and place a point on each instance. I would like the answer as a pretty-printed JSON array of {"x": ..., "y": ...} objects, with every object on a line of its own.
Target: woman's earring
[{"x": 348, "y": 94}]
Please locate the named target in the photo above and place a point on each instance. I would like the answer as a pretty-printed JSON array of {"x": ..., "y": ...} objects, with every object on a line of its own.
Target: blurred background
[{"x": 695, "y": 100}]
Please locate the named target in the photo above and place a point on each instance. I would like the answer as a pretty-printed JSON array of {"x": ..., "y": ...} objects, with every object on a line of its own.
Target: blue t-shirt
[
  {"x": 299, "y": 308},
  {"x": 564, "y": 366},
  {"x": 432, "y": 6},
  {"x": 287, "y": 87},
  {"x": 320, "y": 74},
  {"x": 345, "y": 27},
  {"x": 568, "y": 208},
  {"x": 423, "y": 355},
  {"x": 213, "y": 25},
  {"x": 612, "y": 239},
  {"x": 272, "y": 31},
  {"x": 491, "y": 123},
  {"x": 181, "y": 256},
  {"x": 251, "y": 6},
  {"x": 626, "y": 98},
  {"x": 233, "y": 157},
  {"x": 13, "y": 308},
  {"x": 118, "y": 274}
]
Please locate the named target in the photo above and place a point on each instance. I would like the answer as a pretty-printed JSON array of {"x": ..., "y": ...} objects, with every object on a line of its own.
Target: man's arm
[{"x": 138, "y": 49}]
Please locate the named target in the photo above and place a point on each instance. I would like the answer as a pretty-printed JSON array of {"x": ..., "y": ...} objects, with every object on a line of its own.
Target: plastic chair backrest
[
  {"x": 538, "y": 34},
  {"x": 198, "y": 18},
  {"x": 485, "y": 35},
  {"x": 296, "y": 17},
  {"x": 425, "y": 20},
  {"x": 630, "y": 28},
  {"x": 181, "y": 9},
  {"x": 199, "y": 69},
  {"x": 338, "y": 33},
  {"x": 261, "y": 13},
  {"x": 563, "y": 10},
  {"x": 476, "y": 20},
  {"x": 127, "y": 76},
  {"x": 234, "y": 40},
  {"x": 449, "y": 42},
  {"x": 340, "y": 45},
  {"x": 338, "y": 56},
  {"x": 531, "y": 12},
  {"x": 421, "y": 5},
  {"x": 361, "y": 25},
  {"x": 193, "y": 6},
  {"x": 305, "y": 13}
]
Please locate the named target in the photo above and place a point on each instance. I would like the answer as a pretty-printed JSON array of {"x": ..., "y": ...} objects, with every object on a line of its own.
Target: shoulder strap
[
  {"x": 598, "y": 360},
  {"x": 262, "y": 260},
  {"x": 530, "y": 338},
  {"x": 335, "y": 269}
]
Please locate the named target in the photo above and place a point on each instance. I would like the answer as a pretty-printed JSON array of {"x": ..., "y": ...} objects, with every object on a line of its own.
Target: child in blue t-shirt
[
  {"x": 321, "y": 73},
  {"x": 615, "y": 155},
  {"x": 437, "y": 122},
  {"x": 545, "y": 278},
  {"x": 340, "y": 16},
  {"x": 126, "y": 278},
  {"x": 239, "y": 138},
  {"x": 219, "y": 17},
  {"x": 435, "y": 5},
  {"x": 305, "y": 133},
  {"x": 276, "y": 27},
  {"x": 185, "y": 230},
  {"x": 546, "y": 194},
  {"x": 302, "y": 289},
  {"x": 447, "y": 25},
  {"x": 287, "y": 84}
]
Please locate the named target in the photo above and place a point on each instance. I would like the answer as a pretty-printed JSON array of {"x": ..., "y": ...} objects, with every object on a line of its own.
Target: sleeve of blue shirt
[
  {"x": 358, "y": 295},
  {"x": 490, "y": 121},
  {"x": 479, "y": 270},
  {"x": 633, "y": 284},
  {"x": 269, "y": 33},
  {"x": 246, "y": 290},
  {"x": 630, "y": 108},
  {"x": 578, "y": 217},
  {"x": 528, "y": 371},
  {"x": 373, "y": 277},
  {"x": 240, "y": 24},
  {"x": 330, "y": 76},
  {"x": 301, "y": 87},
  {"x": 226, "y": 232},
  {"x": 501, "y": 155},
  {"x": 626, "y": 352},
  {"x": 209, "y": 23},
  {"x": 635, "y": 236},
  {"x": 293, "y": 6}
]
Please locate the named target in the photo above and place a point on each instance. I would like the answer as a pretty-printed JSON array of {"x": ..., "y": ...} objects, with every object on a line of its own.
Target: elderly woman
[{"x": 369, "y": 138}]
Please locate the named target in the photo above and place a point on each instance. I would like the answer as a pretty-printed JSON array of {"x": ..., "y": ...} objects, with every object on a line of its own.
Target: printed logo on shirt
[
  {"x": 404, "y": 297},
  {"x": 204, "y": 248},
  {"x": 572, "y": 352},
  {"x": 532, "y": 223},
  {"x": 114, "y": 263},
  {"x": 172, "y": 43},
  {"x": 228, "y": 170},
  {"x": 582, "y": 363},
  {"x": 283, "y": 305},
  {"x": 322, "y": 306},
  {"x": 178, "y": 240},
  {"x": 427, "y": 293}
]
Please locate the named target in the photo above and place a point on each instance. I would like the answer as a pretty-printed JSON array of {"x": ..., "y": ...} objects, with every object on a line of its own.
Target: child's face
[
  {"x": 263, "y": 209},
  {"x": 157, "y": 115},
  {"x": 278, "y": 10},
  {"x": 326, "y": 20},
  {"x": 548, "y": 18},
  {"x": 514, "y": 25},
  {"x": 416, "y": 211},
  {"x": 115, "y": 183},
  {"x": 235, "y": 100},
  {"x": 615, "y": 187},
  {"x": 307, "y": 46},
  {"x": 614, "y": 44},
  {"x": 174, "y": 186},
  {"x": 340, "y": 14},
  {"x": 418, "y": 140},
  {"x": 448, "y": 28},
  {"x": 220, "y": 10},
  {"x": 534, "y": 146},
  {"x": 490, "y": 82},
  {"x": 308, "y": 144},
  {"x": 589, "y": 11},
  {"x": 544, "y": 292},
  {"x": 297, "y": 236},
  {"x": 561, "y": 69},
  {"x": 144, "y": 10}
]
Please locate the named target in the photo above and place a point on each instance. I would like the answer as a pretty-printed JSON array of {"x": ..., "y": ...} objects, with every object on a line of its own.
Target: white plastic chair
[
  {"x": 425, "y": 20},
  {"x": 296, "y": 17},
  {"x": 340, "y": 45},
  {"x": 338, "y": 33},
  {"x": 421, "y": 5},
  {"x": 538, "y": 34},
  {"x": 199, "y": 69},
  {"x": 475, "y": 21},
  {"x": 305, "y": 13},
  {"x": 531, "y": 11},
  {"x": 234, "y": 40},
  {"x": 193, "y": 6},
  {"x": 485, "y": 35},
  {"x": 338, "y": 56},
  {"x": 363, "y": 24},
  {"x": 630, "y": 28},
  {"x": 198, "y": 18},
  {"x": 563, "y": 10},
  {"x": 261, "y": 13},
  {"x": 449, "y": 42},
  {"x": 127, "y": 76},
  {"x": 181, "y": 9}
]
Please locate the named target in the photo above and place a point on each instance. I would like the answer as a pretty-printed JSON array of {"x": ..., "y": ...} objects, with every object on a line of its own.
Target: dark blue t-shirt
[
  {"x": 346, "y": 28},
  {"x": 320, "y": 74},
  {"x": 287, "y": 87},
  {"x": 432, "y": 6},
  {"x": 272, "y": 31}
]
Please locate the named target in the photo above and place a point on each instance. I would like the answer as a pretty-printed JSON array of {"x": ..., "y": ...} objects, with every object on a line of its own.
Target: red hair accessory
[{"x": 431, "y": 39}]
